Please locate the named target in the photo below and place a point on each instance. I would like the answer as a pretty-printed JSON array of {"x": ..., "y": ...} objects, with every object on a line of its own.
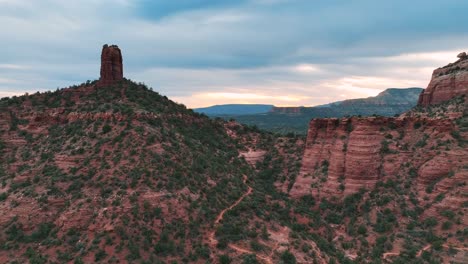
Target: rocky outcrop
[
  {"x": 253, "y": 156},
  {"x": 111, "y": 65},
  {"x": 447, "y": 82}
]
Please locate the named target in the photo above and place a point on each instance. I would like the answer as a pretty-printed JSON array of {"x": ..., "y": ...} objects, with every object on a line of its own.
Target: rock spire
[{"x": 111, "y": 65}]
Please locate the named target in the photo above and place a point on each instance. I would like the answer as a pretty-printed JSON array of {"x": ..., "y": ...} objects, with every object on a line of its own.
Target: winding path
[
  {"x": 213, "y": 241},
  {"x": 445, "y": 246},
  {"x": 427, "y": 247},
  {"x": 221, "y": 214}
]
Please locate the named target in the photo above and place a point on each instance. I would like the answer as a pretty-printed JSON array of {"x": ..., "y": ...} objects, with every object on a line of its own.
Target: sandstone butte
[
  {"x": 447, "y": 82},
  {"x": 344, "y": 155}
]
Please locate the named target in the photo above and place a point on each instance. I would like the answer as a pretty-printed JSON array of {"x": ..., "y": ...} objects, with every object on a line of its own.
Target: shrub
[
  {"x": 42, "y": 232},
  {"x": 437, "y": 245},
  {"x": 34, "y": 257},
  {"x": 106, "y": 129},
  {"x": 249, "y": 259},
  {"x": 448, "y": 213},
  {"x": 362, "y": 230},
  {"x": 423, "y": 142},
  {"x": 255, "y": 245},
  {"x": 446, "y": 225},
  {"x": 325, "y": 165},
  {"x": 430, "y": 222},
  {"x": 334, "y": 218},
  {"x": 3, "y": 196},
  {"x": 100, "y": 255},
  {"x": 15, "y": 233},
  {"x": 224, "y": 259},
  {"x": 385, "y": 221},
  {"x": 164, "y": 247},
  {"x": 288, "y": 258},
  {"x": 134, "y": 251},
  {"x": 384, "y": 149},
  {"x": 349, "y": 126}
]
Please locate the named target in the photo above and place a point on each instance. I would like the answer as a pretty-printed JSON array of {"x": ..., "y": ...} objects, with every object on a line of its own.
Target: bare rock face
[
  {"x": 111, "y": 65},
  {"x": 447, "y": 82}
]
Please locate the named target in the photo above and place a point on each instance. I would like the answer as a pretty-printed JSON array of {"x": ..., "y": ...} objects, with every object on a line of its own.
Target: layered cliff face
[
  {"x": 345, "y": 155},
  {"x": 111, "y": 65},
  {"x": 447, "y": 82}
]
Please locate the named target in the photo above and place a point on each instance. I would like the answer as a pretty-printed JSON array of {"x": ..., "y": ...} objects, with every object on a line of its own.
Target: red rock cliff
[
  {"x": 344, "y": 155},
  {"x": 447, "y": 82},
  {"x": 111, "y": 65}
]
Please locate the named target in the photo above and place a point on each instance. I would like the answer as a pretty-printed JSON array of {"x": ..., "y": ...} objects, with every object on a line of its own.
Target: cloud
[
  {"x": 314, "y": 51},
  {"x": 13, "y": 67}
]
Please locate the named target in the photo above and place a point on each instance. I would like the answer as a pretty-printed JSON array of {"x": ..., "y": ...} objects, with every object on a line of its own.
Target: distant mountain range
[
  {"x": 235, "y": 109},
  {"x": 390, "y": 102}
]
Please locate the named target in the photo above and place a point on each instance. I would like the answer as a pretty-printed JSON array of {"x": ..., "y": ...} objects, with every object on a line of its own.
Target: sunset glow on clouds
[{"x": 202, "y": 52}]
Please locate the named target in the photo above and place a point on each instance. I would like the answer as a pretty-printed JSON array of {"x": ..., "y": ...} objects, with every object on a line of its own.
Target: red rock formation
[
  {"x": 344, "y": 155},
  {"x": 447, "y": 82},
  {"x": 111, "y": 65}
]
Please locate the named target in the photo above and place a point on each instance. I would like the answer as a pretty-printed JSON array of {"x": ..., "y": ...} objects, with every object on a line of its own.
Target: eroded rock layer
[{"x": 344, "y": 155}]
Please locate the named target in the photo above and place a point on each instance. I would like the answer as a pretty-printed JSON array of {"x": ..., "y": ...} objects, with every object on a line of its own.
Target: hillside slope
[{"x": 111, "y": 172}]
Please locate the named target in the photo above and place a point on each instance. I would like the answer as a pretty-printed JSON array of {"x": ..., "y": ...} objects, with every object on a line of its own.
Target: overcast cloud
[{"x": 200, "y": 52}]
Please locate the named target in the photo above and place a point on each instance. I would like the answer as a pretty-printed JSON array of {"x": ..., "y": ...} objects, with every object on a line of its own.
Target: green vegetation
[
  {"x": 288, "y": 258},
  {"x": 150, "y": 176}
]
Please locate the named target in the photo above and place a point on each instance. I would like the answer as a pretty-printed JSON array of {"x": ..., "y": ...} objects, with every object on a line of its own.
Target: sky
[{"x": 201, "y": 52}]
